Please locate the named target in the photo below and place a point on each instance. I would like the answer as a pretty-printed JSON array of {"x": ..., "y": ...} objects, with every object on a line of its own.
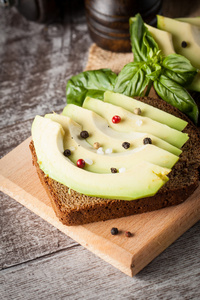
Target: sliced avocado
[
  {"x": 146, "y": 110},
  {"x": 183, "y": 32},
  {"x": 192, "y": 20},
  {"x": 103, "y": 163},
  {"x": 163, "y": 39},
  {"x": 132, "y": 122},
  {"x": 109, "y": 138},
  {"x": 165, "y": 42},
  {"x": 144, "y": 180}
]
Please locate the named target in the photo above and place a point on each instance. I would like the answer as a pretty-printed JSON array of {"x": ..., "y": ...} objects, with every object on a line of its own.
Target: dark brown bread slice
[{"x": 73, "y": 208}]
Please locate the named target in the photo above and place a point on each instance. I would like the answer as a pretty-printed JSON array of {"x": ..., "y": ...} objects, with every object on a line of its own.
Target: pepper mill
[{"x": 108, "y": 20}]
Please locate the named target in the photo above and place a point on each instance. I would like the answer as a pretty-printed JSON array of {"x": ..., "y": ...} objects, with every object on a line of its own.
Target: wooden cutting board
[{"x": 152, "y": 232}]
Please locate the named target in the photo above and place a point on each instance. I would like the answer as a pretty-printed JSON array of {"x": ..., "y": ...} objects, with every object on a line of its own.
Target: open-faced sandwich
[
  {"x": 112, "y": 155},
  {"x": 101, "y": 161}
]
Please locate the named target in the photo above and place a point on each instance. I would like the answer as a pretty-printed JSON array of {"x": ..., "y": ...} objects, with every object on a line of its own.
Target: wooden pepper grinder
[{"x": 108, "y": 20}]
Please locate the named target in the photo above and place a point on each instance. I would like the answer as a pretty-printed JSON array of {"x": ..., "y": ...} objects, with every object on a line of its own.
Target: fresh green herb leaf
[
  {"x": 168, "y": 74},
  {"x": 132, "y": 79},
  {"x": 89, "y": 82},
  {"x": 178, "y": 63},
  {"x": 184, "y": 79},
  {"x": 177, "y": 96},
  {"x": 155, "y": 72},
  {"x": 95, "y": 94},
  {"x": 144, "y": 47},
  {"x": 179, "y": 68}
]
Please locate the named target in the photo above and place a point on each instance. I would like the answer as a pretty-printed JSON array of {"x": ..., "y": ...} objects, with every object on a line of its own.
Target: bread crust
[{"x": 73, "y": 208}]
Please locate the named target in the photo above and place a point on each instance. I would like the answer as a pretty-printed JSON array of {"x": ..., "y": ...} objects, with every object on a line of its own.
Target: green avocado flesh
[
  {"x": 183, "y": 31},
  {"x": 192, "y": 20},
  {"x": 146, "y": 110},
  {"x": 132, "y": 122},
  {"x": 108, "y": 137},
  {"x": 125, "y": 159},
  {"x": 48, "y": 141},
  {"x": 141, "y": 168},
  {"x": 167, "y": 44}
]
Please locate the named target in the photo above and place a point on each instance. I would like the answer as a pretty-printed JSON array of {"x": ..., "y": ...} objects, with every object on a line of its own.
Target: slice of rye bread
[{"x": 73, "y": 208}]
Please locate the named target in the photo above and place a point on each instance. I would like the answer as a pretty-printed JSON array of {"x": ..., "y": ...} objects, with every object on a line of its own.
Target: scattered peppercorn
[
  {"x": 113, "y": 170},
  {"x": 96, "y": 145},
  {"x": 84, "y": 134},
  {"x": 137, "y": 111},
  {"x": 67, "y": 152},
  {"x": 128, "y": 234},
  {"x": 126, "y": 145},
  {"x": 114, "y": 231},
  {"x": 184, "y": 44},
  {"x": 116, "y": 119},
  {"x": 147, "y": 141},
  {"x": 80, "y": 163}
]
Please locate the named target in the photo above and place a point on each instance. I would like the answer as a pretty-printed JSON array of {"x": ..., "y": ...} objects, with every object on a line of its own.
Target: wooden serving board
[{"x": 152, "y": 232}]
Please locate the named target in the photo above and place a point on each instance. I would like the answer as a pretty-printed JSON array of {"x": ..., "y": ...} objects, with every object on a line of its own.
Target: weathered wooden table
[{"x": 37, "y": 260}]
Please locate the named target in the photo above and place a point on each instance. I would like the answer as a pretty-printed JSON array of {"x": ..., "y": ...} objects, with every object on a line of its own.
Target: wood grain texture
[
  {"x": 33, "y": 266},
  {"x": 69, "y": 275},
  {"x": 17, "y": 226},
  {"x": 152, "y": 232},
  {"x": 37, "y": 63}
]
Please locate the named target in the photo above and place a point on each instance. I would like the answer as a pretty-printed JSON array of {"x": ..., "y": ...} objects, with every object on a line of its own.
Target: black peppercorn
[
  {"x": 128, "y": 234},
  {"x": 67, "y": 152},
  {"x": 147, "y": 141},
  {"x": 126, "y": 145},
  {"x": 113, "y": 170},
  {"x": 84, "y": 134},
  {"x": 184, "y": 44},
  {"x": 114, "y": 231}
]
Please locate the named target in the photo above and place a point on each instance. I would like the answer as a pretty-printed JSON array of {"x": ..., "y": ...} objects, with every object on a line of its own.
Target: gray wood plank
[
  {"x": 12, "y": 136},
  {"x": 76, "y": 273},
  {"x": 25, "y": 236},
  {"x": 33, "y": 76},
  {"x": 36, "y": 64}
]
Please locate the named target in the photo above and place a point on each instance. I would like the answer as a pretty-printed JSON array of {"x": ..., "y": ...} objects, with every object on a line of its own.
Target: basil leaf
[
  {"x": 144, "y": 47},
  {"x": 177, "y": 96},
  {"x": 178, "y": 63},
  {"x": 95, "y": 94},
  {"x": 179, "y": 68},
  {"x": 183, "y": 79},
  {"x": 132, "y": 79},
  {"x": 155, "y": 73},
  {"x": 97, "y": 82}
]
